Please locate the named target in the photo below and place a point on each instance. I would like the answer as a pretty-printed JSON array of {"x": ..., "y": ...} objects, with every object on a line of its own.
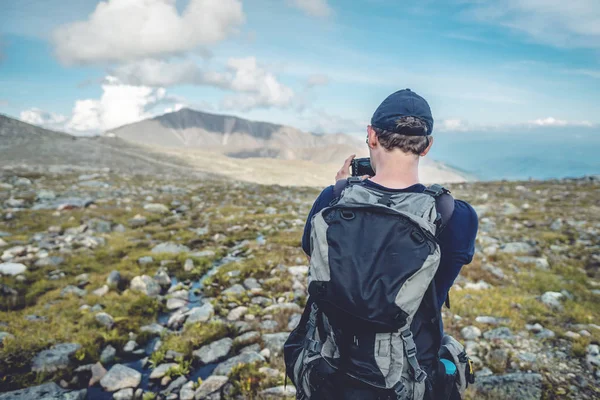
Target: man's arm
[
  {"x": 320, "y": 203},
  {"x": 457, "y": 244}
]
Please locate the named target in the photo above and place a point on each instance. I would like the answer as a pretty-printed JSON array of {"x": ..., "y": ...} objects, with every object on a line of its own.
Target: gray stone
[
  {"x": 161, "y": 370},
  {"x": 214, "y": 351},
  {"x": 470, "y": 332},
  {"x": 247, "y": 338},
  {"x": 226, "y": 366},
  {"x": 275, "y": 341},
  {"x": 146, "y": 285},
  {"x": 47, "y": 391},
  {"x": 545, "y": 334},
  {"x": 120, "y": 377},
  {"x": 154, "y": 329},
  {"x": 98, "y": 371},
  {"x": 251, "y": 283},
  {"x": 145, "y": 260},
  {"x": 486, "y": 319},
  {"x": 200, "y": 314},
  {"x": 294, "y": 321},
  {"x": 593, "y": 355},
  {"x": 55, "y": 358},
  {"x": 235, "y": 290},
  {"x": 511, "y": 386},
  {"x": 49, "y": 262},
  {"x": 105, "y": 320},
  {"x": 518, "y": 248},
  {"x": 101, "y": 291},
  {"x": 212, "y": 384},
  {"x": 99, "y": 225},
  {"x": 170, "y": 248},
  {"x": 162, "y": 277},
  {"x": 108, "y": 355},
  {"x": 187, "y": 391},
  {"x": 12, "y": 269},
  {"x": 137, "y": 221},
  {"x": 188, "y": 265},
  {"x": 237, "y": 313},
  {"x": 156, "y": 208},
  {"x": 269, "y": 325},
  {"x": 552, "y": 299},
  {"x": 130, "y": 346},
  {"x": 279, "y": 392},
  {"x": 124, "y": 394},
  {"x": 540, "y": 262},
  {"x": 175, "y": 385},
  {"x": 72, "y": 290},
  {"x": 502, "y": 333},
  {"x": 175, "y": 303},
  {"x": 113, "y": 279}
]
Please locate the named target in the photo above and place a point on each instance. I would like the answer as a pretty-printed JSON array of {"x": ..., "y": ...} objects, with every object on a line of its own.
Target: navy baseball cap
[{"x": 403, "y": 103}]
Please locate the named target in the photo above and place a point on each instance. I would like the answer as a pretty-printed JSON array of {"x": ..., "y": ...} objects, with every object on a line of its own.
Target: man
[{"x": 399, "y": 135}]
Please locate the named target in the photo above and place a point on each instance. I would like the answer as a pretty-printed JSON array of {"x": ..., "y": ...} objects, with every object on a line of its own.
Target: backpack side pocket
[{"x": 454, "y": 351}]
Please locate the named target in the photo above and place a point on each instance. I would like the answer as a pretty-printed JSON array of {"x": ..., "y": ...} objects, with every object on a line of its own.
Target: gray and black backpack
[{"x": 372, "y": 326}]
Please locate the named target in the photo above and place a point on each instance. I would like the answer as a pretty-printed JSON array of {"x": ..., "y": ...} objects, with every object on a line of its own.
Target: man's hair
[{"x": 413, "y": 143}]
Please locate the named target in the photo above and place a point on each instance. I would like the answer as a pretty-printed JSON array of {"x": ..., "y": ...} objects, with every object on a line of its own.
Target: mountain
[
  {"x": 248, "y": 151},
  {"x": 23, "y": 144},
  {"x": 236, "y": 137}
]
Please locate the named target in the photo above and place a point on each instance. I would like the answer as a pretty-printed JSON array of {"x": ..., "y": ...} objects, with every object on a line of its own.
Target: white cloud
[
  {"x": 254, "y": 85},
  {"x": 120, "y": 104},
  {"x": 176, "y": 107},
  {"x": 550, "y": 121},
  {"x": 314, "y": 8},
  {"x": 125, "y": 30},
  {"x": 574, "y": 23},
  {"x": 46, "y": 119}
]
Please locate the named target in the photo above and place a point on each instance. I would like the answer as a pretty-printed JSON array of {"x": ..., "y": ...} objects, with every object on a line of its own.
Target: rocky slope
[
  {"x": 120, "y": 286},
  {"x": 236, "y": 137}
]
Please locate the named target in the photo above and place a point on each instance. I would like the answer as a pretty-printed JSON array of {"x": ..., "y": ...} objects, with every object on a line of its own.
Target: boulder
[
  {"x": 520, "y": 386},
  {"x": 12, "y": 269},
  {"x": 214, "y": 351},
  {"x": 170, "y": 248},
  {"x": 200, "y": 314},
  {"x": 56, "y": 358},
  {"x": 105, "y": 320},
  {"x": 47, "y": 391},
  {"x": 161, "y": 370},
  {"x": 120, "y": 377},
  {"x": 146, "y": 285},
  {"x": 212, "y": 384},
  {"x": 275, "y": 341}
]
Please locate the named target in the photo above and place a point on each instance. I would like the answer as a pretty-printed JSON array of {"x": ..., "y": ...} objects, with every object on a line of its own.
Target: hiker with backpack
[{"x": 384, "y": 251}]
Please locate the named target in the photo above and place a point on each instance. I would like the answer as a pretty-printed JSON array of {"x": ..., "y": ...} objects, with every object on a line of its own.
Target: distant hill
[
  {"x": 25, "y": 144},
  {"x": 236, "y": 137},
  {"x": 289, "y": 157}
]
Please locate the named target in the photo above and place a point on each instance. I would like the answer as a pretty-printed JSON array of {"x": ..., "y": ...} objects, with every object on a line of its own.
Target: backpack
[{"x": 374, "y": 255}]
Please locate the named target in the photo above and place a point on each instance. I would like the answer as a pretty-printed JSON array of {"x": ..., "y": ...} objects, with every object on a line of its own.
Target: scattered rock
[
  {"x": 105, "y": 320},
  {"x": 502, "y": 333},
  {"x": 47, "y": 391},
  {"x": 12, "y": 269},
  {"x": 161, "y": 370},
  {"x": 124, "y": 394},
  {"x": 146, "y": 285},
  {"x": 275, "y": 341},
  {"x": 170, "y": 248},
  {"x": 200, "y": 314},
  {"x": 211, "y": 385},
  {"x": 101, "y": 291},
  {"x": 237, "y": 313},
  {"x": 113, "y": 279},
  {"x": 55, "y": 358},
  {"x": 518, "y": 248},
  {"x": 511, "y": 386},
  {"x": 120, "y": 377},
  {"x": 470, "y": 333},
  {"x": 214, "y": 351},
  {"x": 156, "y": 208},
  {"x": 98, "y": 372},
  {"x": 552, "y": 299},
  {"x": 279, "y": 392},
  {"x": 108, "y": 355}
]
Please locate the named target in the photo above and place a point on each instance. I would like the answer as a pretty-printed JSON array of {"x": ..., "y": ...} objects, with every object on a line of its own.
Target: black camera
[{"x": 362, "y": 166}]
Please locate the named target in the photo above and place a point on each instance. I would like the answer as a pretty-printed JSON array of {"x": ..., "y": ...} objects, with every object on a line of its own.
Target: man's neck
[{"x": 398, "y": 173}]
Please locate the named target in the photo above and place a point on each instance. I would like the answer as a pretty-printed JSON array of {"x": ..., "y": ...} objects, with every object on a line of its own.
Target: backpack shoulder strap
[
  {"x": 342, "y": 184},
  {"x": 444, "y": 204}
]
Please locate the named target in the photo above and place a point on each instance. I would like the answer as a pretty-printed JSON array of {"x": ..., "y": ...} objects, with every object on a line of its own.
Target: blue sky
[{"x": 321, "y": 65}]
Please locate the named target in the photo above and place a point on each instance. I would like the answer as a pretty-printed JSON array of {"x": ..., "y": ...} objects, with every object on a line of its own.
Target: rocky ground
[{"x": 126, "y": 287}]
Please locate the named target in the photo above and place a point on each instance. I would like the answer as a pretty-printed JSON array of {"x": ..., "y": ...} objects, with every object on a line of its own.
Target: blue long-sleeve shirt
[{"x": 457, "y": 240}]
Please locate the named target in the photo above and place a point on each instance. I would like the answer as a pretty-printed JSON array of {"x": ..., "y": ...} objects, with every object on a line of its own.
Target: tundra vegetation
[{"x": 168, "y": 287}]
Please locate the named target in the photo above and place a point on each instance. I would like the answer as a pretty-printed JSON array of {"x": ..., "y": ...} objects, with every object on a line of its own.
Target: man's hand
[{"x": 344, "y": 172}]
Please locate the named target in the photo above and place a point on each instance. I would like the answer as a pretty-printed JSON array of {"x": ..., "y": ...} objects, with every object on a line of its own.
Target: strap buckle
[
  {"x": 400, "y": 390},
  {"x": 436, "y": 190},
  {"x": 420, "y": 375},
  {"x": 313, "y": 346}
]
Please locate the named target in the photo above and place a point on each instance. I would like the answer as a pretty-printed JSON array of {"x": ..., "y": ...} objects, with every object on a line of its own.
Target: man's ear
[
  {"x": 372, "y": 140},
  {"x": 424, "y": 153}
]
